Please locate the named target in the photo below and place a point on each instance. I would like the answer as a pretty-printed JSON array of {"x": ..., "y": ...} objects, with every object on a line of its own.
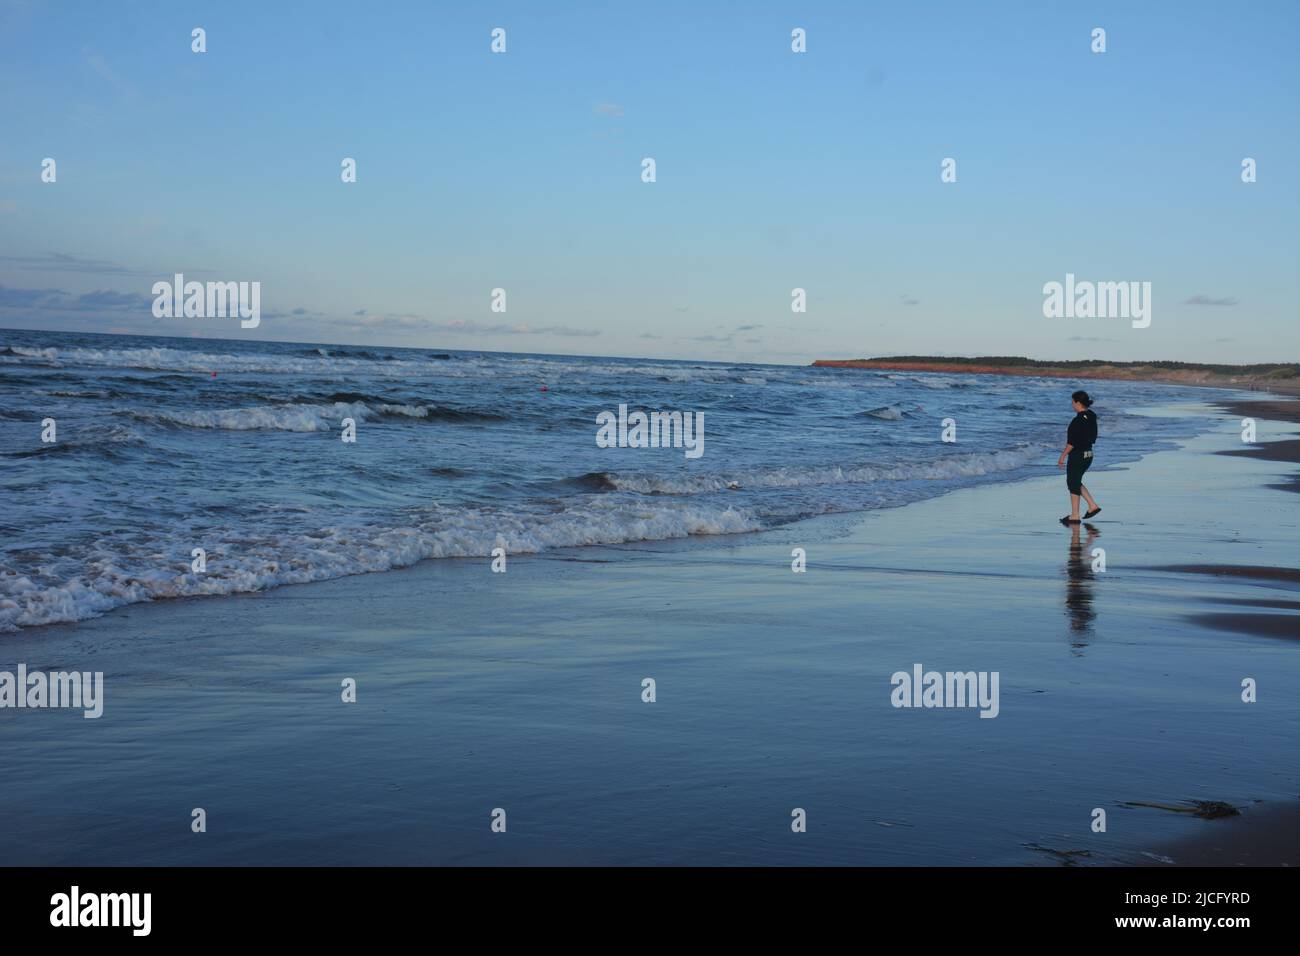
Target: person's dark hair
[{"x": 1082, "y": 398}]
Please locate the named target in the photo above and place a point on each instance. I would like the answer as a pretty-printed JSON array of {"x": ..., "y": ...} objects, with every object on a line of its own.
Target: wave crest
[{"x": 119, "y": 573}]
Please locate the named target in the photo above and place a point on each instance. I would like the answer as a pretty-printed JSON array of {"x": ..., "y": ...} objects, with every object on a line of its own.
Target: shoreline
[
  {"x": 1139, "y": 372},
  {"x": 692, "y": 539},
  {"x": 1286, "y": 450},
  {"x": 1268, "y": 832},
  {"x": 479, "y": 690}
]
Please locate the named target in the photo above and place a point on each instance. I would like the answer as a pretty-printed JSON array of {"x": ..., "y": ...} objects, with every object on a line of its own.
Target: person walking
[{"x": 1077, "y": 456}]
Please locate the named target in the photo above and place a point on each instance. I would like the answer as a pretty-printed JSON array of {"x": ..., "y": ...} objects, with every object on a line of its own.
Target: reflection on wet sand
[{"x": 1079, "y": 584}]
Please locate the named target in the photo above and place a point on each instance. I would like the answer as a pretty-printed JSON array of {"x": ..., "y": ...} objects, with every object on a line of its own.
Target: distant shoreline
[{"x": 1282, "y": 377}]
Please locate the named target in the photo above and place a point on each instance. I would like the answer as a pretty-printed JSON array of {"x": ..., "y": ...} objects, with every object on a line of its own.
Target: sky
[{"x": 775, "y": 170}]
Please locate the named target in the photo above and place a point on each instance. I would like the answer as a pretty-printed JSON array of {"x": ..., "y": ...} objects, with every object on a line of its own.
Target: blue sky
[{"x": 775, "y": 170}]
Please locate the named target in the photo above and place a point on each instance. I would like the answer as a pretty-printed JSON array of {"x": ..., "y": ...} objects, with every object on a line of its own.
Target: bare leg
[
  {"x": 1092, "y": 503},
  {"x": 1074, "y": 507}
]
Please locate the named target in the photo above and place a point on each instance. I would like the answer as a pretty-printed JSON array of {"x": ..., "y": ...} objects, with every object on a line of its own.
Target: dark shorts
[{"x": 1075, "y": 466}]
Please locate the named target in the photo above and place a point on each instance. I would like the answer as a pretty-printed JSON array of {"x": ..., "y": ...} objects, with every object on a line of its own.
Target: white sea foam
[
  {"x": 888, "y": 413},
  {"x": 118, "y": 573},
  {"x": 295, "y": 417},
  {"x": 181, "y": 360},
  {"x": 288, "y": 418},
  {"x": 968, "y": 465},
  {"x": 46, "y": 354},
  {"x": 410, "y": 411}
]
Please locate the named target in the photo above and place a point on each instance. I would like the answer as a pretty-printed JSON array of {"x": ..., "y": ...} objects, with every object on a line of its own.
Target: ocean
[{"x": 164, "y": 446}]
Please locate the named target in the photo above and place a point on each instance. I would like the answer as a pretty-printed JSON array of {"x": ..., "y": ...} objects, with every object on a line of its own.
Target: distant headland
[{"x": 1282, "y": 377}]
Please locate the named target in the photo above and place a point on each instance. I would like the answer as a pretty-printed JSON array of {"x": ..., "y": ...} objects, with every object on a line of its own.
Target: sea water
[{"x": 206, "y": 467}]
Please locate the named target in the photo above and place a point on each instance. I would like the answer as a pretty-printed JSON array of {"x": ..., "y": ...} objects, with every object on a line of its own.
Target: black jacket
[{"x": 1083, "y": 431}]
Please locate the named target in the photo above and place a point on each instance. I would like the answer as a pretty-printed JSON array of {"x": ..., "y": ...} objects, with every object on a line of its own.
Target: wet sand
[
  {"x": 1277, "y": 410},
  {"x": 524, "y": 691},
  {"x": 1267, "y": 834},
  {"x": 1283, "y": 450},
  {"x": 1263, "y": 835}
]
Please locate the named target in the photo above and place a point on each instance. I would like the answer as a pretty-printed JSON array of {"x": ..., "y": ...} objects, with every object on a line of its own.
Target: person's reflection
[{"x": 1078, "y": 584}]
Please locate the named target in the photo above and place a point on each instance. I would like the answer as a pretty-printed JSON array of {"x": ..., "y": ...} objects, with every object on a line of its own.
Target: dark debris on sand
[
  {"x": 1066, "y": 857},
  {"x": 1205, "y": 809}
]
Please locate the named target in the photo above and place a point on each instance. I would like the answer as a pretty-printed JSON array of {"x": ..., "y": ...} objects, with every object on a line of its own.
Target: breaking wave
[
  {"x": 312, "y": 417},
  {"x": 965, "y": 465},
  {"x": 119, "y": 572}
]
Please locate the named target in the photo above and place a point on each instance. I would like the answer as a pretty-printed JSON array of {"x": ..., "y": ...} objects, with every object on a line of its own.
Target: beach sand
[
  {"x": 1271, "y": 378},
  {"x": 523, "y": 691}
]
